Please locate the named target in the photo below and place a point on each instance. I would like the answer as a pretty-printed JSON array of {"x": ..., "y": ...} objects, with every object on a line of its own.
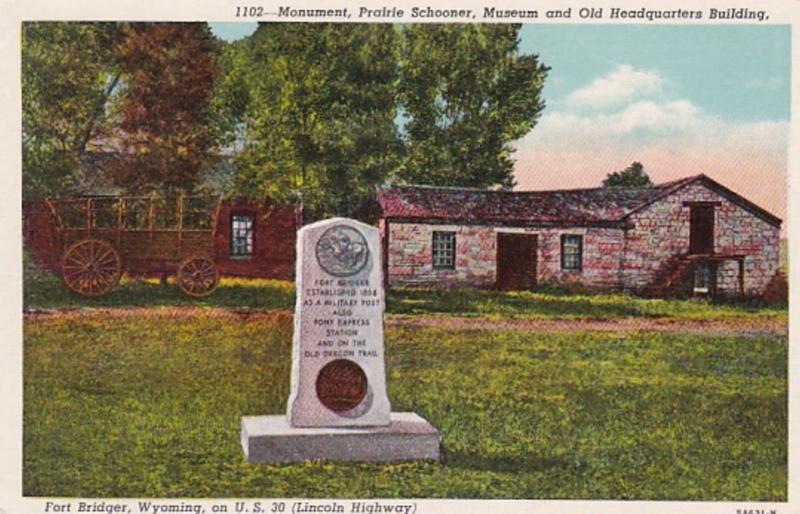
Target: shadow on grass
[
  {"x": 553, "y": 303},
  {"x": 43, "y": 290},
  {"x": 251, "y": 294},
  {"x": 525, "y": 463},
  {"x": 491, "y": 303},
  {"x": 482, "y": 303}
]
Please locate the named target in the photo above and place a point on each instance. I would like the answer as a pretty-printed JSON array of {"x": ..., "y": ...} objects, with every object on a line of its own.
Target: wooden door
[
  {"x": 701, "y": 231},
  {"x": 516, "y": 261}
]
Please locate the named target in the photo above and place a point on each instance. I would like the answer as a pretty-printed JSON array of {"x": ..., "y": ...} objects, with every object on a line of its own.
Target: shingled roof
[{"x": 575, "y": 207}]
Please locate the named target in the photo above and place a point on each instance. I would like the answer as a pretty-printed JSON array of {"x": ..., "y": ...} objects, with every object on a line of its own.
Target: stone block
[
  {"x": 340, "y": 299},
  {"x": 270, "y": 439}
]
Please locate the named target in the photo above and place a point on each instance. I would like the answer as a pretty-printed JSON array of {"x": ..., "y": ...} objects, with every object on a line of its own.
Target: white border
[{"x": 15, "y": 11}]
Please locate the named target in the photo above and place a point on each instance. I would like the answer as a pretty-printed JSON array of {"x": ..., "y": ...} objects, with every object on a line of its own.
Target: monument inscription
[
  {"x": 338, "y": 373},
  {"x": 338, "y": 408}
]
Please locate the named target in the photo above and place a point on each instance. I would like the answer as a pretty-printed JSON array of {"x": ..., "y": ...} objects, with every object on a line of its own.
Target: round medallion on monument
[
  {"x": 342, "y": 251},
  {"x": 341, "y": 385}
]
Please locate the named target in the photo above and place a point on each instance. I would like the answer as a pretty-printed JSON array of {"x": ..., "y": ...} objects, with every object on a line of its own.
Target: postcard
[{"x": 396, "y": 258}]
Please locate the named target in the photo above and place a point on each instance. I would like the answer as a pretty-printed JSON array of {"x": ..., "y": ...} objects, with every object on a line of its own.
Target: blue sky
[
  {"x": 736, "y": 72},
  {"x": 720, "y": 68},
  {"x": 681, "y": 99},
  {"x": 231, "y": 31}
]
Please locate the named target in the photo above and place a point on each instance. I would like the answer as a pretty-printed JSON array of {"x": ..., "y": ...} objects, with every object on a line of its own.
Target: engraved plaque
[
  {"x": 341, "y": 385},
  {"x": 342, "y": 251}
]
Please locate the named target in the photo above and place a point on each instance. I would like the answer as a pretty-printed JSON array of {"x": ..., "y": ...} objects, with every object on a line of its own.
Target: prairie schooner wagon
[{"x": 106, "y": 236}]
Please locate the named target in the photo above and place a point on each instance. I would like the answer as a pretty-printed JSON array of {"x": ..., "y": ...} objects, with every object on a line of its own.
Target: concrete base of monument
[{"x": 269, "y": 439}]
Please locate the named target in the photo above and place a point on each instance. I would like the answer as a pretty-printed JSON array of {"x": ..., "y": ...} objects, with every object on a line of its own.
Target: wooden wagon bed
[{"x": 105, "y": 236}]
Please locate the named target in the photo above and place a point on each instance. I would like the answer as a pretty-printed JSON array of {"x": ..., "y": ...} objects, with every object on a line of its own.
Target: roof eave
[
  {"x": 718, "y": 188},
  {"x": 449, "y": 220}
]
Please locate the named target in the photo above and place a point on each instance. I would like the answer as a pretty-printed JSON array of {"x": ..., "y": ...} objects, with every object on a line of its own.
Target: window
[
  {"x": 241, "y": 235},
  {"x": 444, "y": 250},
  {"x": 571, "y": 252},
  {"x": 704, "y": 277}
]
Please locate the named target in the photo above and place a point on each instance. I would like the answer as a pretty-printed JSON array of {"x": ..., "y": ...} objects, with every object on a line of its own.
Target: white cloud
[
  {"x": 649, "y": 114},
  {"x": 623, "y": 84},
  {"x": 673, "y": 138},
  {"x": 668, "y": 122},
  {"x": 577, "y": 145},
  {"x": 634, "y": 119}
]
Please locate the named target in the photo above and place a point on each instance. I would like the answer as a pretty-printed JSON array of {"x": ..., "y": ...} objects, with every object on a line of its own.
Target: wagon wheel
[
  {"x": 91, "y": 267},
  {"x": 197, "y": 275}
]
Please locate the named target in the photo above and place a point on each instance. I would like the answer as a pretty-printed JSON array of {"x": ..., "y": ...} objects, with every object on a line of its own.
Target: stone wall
[
  {"x": 602, "y": 253},
  {"x": 410, "y": 255},
  {"x": 661, "y": 231},
  {"x": 728, "y": 278}
]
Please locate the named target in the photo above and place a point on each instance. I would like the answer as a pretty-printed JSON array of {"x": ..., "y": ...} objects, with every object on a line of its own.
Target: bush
[{"x": 777, "y": 292}]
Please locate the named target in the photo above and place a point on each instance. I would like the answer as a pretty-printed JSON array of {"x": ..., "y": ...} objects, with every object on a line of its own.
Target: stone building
[{"x": 690, "y": 236}]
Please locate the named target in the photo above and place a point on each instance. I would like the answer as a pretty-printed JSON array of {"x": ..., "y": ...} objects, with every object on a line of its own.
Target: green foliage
[
  {"x": 468, "y": 94},
  {"x": 314, "y": 109},
  {"x": 308, "y": 110},
  {"x": 40, "y": 287},
  {"x": 69, "y": 74},
  {"x": 784, "y": 263},
  {"x": 231, "y": 96},
  {"x": 579, "y": 415},
  {"x": 632, "y": 176},
  {"x": 156, "y": 126},
  {"x": 169, "y": 76},
  {"x": 315, "y": 106}
]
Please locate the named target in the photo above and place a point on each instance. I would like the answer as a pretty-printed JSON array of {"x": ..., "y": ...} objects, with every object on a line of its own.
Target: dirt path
[{"x": 749, "y": 326}]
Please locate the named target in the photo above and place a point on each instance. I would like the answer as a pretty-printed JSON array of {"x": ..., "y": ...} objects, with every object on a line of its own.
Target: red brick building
[
  {"x": 255, "y": 240},
  {"x": 688, "y": 236}
]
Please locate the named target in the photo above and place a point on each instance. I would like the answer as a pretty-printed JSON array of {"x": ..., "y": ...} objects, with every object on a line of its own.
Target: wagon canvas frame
[{"x": 105, "y": 236}]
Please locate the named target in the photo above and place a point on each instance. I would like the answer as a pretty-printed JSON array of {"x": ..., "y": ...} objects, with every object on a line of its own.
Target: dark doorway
[
  {"x": 705, "y": 279},
  {"x": 701, "y": 232},
  {"x": 516, "y": 261}
]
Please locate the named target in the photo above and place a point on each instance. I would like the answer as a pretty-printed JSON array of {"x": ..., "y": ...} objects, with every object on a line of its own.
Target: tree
[
  {"x": 467, "y": 94},
  {"x": 319, "y": 123},
  {"x": 69, "y": 74},
  {"x": 632, "y": 176},
  {"x": 231, "y": 96},
  {"x": 165, "y": 130}
]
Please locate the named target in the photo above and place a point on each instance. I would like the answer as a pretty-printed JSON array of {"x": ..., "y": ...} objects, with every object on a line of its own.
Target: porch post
[
  {"x": 385, "y": 242},
  {"x": 741, "y": 277}
]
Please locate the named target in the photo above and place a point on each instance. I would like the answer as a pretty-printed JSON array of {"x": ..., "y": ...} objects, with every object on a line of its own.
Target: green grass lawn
[
  {"x": 43, "y": 290},
  {"x": 143, "y": 407},
  {"x": 566, "y": 305}
]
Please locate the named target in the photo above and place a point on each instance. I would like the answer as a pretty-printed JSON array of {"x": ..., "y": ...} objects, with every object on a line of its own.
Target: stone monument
[{"x": 338, "y": 408}]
